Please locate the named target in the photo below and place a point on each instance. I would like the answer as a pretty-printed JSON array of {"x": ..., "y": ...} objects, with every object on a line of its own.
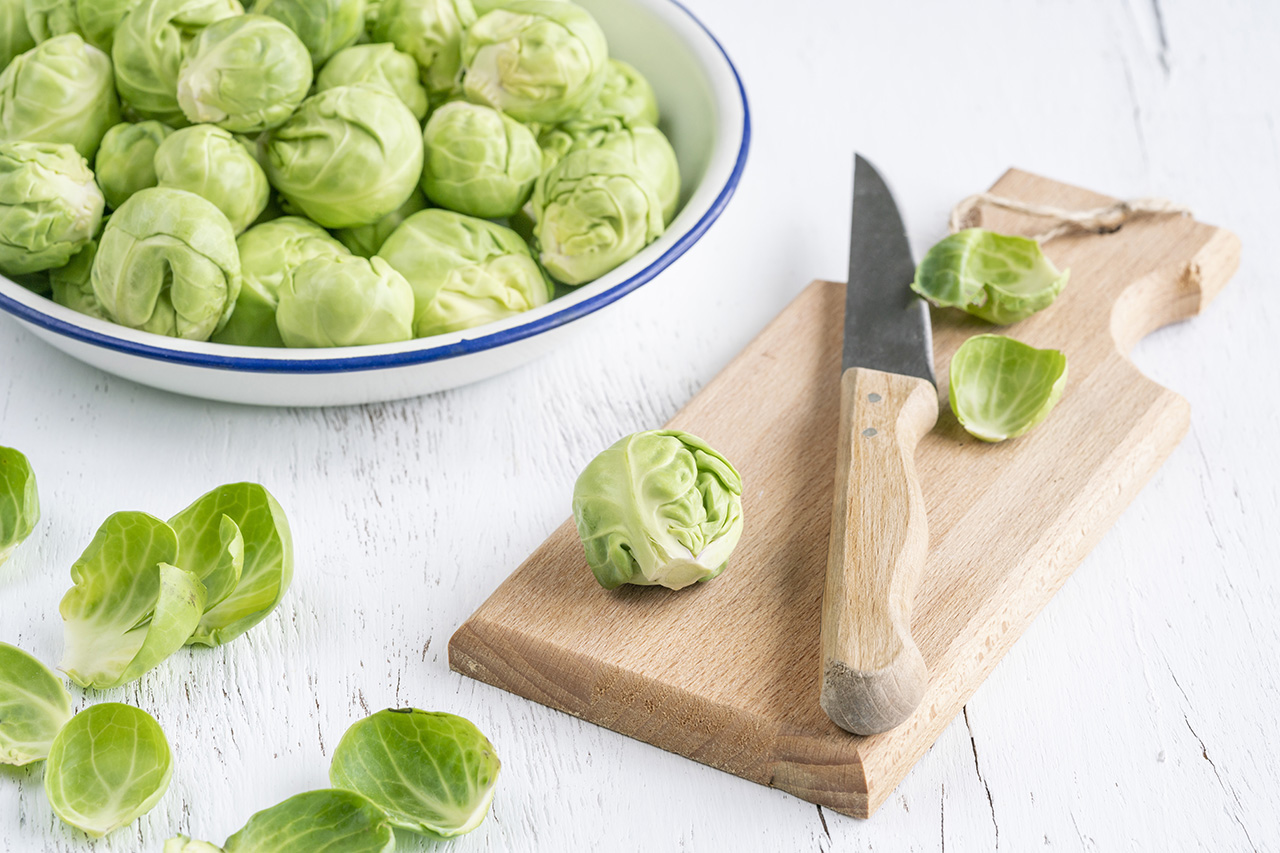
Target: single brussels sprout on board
[
  {"x": 210, "y": 162},
  {"x": 19, "y": 501},
  {"x": 378, "y": 65},
  {"x": 464, "y": 271},
  {"x": 15, "y": 36},
  {"x": 1002, "y": 388},
  {"x": 34, "y": 706},
  {"x": 167, "y": 263},
  {"x": 50, "y": 206},
  {"x": 126, "y": 159},
  {"x": 99, "y": 19},
  {"x": 72, "y": 285},
  {"x": 535, "y": 60},
  {"x": 478, "y": 161},
  {"x": 367, "y": 240},
  {"x": 246, "y": 73},
  {"x": 347, "y": 157},
  {"x": 431, "y": 31},
  {"x": 658, "y": 508},
  {"x": 327, "y": 819},
  {"x": 107, "y": 767},
  {"x": 345, "y": 301},
  {"x": 269, "y": 253},
  {"x": 150, "y": 44},
  {"x": 236, "y": 540},
  {"x": 432, "y": 773},
  {"x": 325, "y": 26},
  {"x": 62, "y": 90},
  {"x": 47, "y": 19},
  {"x": 129, "y": 607},
  {"x": 1000, "y": 278}
]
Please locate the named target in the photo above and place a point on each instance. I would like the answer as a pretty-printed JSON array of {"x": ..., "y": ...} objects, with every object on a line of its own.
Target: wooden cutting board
[{"x": 727, "y": 672}]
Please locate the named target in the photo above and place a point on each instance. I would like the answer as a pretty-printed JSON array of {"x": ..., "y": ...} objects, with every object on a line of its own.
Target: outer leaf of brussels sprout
[
  {"x": 433, "y": 773},
  {"x": 1000, "y": 278},
  {"x": 658, "y": 508},
  {"x": 50, "y": 207},
  {"x": 367, "y": 240},
  {"x": 183, "y": 844},
  {"x": 478, "y": 161},
  {"x": 60, "y": 91},
  {"x": 72, "y": 285},
  {"x": 15, "y": 36},
  {"x": 34, "y": 706},
  {"x": 269, "y": 253},
  {"x": 48, "y": 19},
  {"x": 431, "y": 31},
  {"x": 246, "y": 73},
  {"x": 325, "y": 26},
  {"x": 99, "y": 19},
  {"x": 129, "y": 608},
  {"x": 19, "y": 501},
  {"x": 535, "y": 60},
  {"x": 211, "y": 163},
  {"x": 317, "y": 820},
  {"x": 378, "y": 65},
  {"x": 240, "y": 598},
  {"x": 126, "y": 159},
  {"x": 167, "y": 263},
  {"x": 1001, "y": 388},
  {"x": 464, "y": 271},
  {"x": 345, "y": 301},
  {"x": 109, "y": 766}
]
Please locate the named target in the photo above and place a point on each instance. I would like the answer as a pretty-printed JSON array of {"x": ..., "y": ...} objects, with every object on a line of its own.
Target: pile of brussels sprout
[{"x": 318, "y": 173}]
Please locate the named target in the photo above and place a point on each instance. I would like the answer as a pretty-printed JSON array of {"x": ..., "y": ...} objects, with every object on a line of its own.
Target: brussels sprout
[
  {"x": 1001, "y": 388},
  {"x": 167, "y": 263},
  {"x": 431, "y": 31},
  {"x": 99, "y": 19},
  {"x": 109, "y": 766},
  {"x": 317, "y": 820},
  {"x": 999, "y": 278},
  {"x": 59, "y": 91},
  {"x": 344, "y": 301},
  {"x": 464, "y": 271},
  {"x": 50, "y": 206},
  {"x": 625, "y": 95},
  {"x": 72, "y": 285},
  {"x": 150, "y": 44},
  {"x": 483, "y": 7},
  {"x": 33, "y": 707},
  {"x": 19, "y": 501},
  {"x": 658, "y": 508},
  {"x": 478, "y": 161},
  {"x": 378, "y": 65},
  {"x": 130, "y": 607},
  {"x": 15, "y": 36},
  {"x": 236, "y": 540},
  {"x": 183, "y": 844},
  {"x": 325, "y": 26},
  {"x": 269, "y": 253},
  {"x": 48, "y": 19},
  {"x": 126, "y": 159},
  {"x": 246, "y": 73},
  {"x": 433, "y": 773},
  {"x": 366, "y": 240},
  {"x": 348, "y": 157},
  {"x": 642, "y": 144},
  {"x": 211, "y": 163},
  {"x": 535, "y": 60}
]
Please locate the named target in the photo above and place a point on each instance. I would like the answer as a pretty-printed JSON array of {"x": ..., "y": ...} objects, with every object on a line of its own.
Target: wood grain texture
[
  {"x": 727, "y": 674},
  {"x": 873, "y": 675}
]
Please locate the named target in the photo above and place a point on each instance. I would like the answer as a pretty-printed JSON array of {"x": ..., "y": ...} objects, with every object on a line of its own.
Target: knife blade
[{"x": 873, "y": 675}]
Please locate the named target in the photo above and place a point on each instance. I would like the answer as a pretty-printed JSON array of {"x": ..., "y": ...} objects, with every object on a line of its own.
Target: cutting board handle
[{"x": 873, "y": 675}]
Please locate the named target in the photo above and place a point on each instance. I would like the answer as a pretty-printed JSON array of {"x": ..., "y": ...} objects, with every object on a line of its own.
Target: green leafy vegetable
[
  {"x": 15, "y": 36},
  {"x": 1000, "y": 278},
  {"x": 130, "y": 607},
  {"x": 109, "y": 766},
  {"x": 317, "y": 820},
  {"x": 183, "y": 844},
  {"x": 367, "y": 240},
  {"x": 72, "y": 285},
  {"x": 1001, "y": 388},
  {"x": 34, "y": 706},
  {"x": 433, "y": 773},
  {"x": 345, "y": 301},
  {"x": 210, "y": 162},
  {"x": 126, "y": 159},
  {"x": 325, "y": 26},
  {"x": 19, "y": 501},
  {"x": 479, "y": 161},
  {"x": 658, "y": 508},
  {"x": 50, "y": 207},
  {"x": 378, "y": 65},
  {"x": 431, "y": 31}
]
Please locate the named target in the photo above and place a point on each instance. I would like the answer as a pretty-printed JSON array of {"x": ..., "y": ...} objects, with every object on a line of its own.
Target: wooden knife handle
[{"x": 873, "y": 676}]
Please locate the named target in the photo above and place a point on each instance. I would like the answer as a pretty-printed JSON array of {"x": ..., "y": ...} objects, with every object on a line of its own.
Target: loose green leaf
[
  {"x": 1000, "y": 278},
  {"x": 433, "y": 773},
  {"x": 109, "y": 766},
  {"x": 317, "y": 820},
  {"x": 33, "y": 707},
  {"x": 183, "y": 844},
  {"x": 19, "y": 502},
  {"x": 206, "y": 551},
  {"x": 1001, "y": 388},
  {"x": 130, "y": 607}
]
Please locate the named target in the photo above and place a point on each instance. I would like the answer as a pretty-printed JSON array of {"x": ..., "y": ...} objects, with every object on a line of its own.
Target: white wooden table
[{"x": 1138, "y": 712}]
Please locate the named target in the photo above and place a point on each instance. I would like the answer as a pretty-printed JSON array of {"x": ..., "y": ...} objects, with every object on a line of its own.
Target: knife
[{"x": 873, "y": 675}]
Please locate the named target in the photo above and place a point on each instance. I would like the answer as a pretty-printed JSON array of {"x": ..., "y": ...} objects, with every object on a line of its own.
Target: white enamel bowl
[{"x": 705, "y": 115}]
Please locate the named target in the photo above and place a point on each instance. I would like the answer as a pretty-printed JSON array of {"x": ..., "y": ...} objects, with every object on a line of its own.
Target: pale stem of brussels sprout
[{"x": 1098, "y": 220}]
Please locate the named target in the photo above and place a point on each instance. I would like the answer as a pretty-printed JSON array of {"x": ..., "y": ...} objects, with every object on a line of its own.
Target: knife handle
[{"x": 873, "y": 675}]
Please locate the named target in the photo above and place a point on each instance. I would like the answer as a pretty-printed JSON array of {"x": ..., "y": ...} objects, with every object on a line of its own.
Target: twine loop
[{"x": 1099, "y": 220}]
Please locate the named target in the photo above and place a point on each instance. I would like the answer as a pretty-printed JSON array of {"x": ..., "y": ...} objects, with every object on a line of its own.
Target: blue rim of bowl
[{"x": 463, "y": 347}]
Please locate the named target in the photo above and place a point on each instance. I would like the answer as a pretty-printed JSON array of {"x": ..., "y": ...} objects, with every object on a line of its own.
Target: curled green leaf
[
  {"x": 183, "y": 844},
  {"x": 19, "y": 501},
  {"x": 34, "y": 706},
  {"x": 1001, "y": 388},
  {"x": 317, "y": 820}
]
